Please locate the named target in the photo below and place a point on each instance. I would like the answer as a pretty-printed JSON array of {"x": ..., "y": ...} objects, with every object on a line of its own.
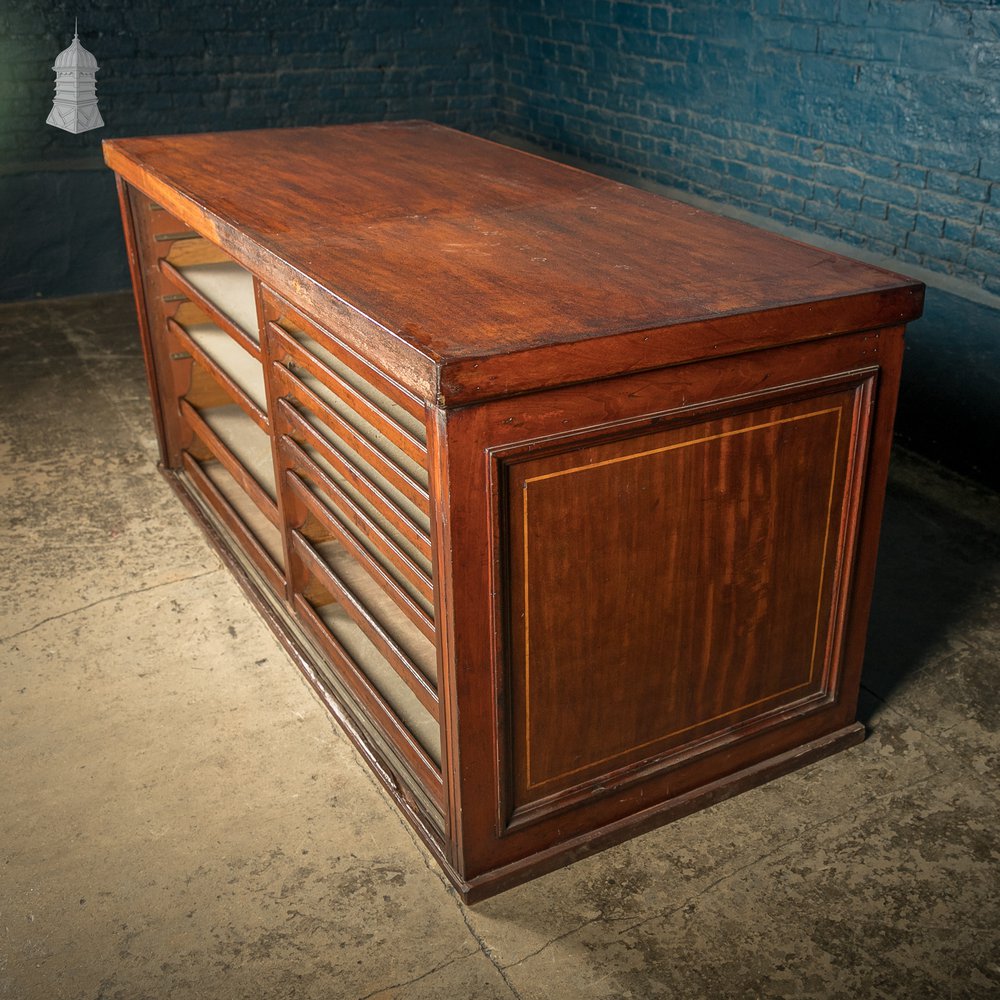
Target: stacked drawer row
[
  {"x": 352, "y": 461},
  {"x": 315, "y": 464}
]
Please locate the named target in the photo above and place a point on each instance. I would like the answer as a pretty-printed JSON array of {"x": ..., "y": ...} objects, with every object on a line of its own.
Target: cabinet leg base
[{"x": 490, "y": 883}]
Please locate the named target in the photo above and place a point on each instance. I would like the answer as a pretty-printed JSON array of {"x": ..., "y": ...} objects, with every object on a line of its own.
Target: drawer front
[
  {"x": 351, "y": 457},
  {"x": 208, "y": 384}
]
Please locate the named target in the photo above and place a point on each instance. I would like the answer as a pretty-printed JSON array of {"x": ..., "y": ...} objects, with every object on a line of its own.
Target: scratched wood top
[{"x": 464, "y": 250}]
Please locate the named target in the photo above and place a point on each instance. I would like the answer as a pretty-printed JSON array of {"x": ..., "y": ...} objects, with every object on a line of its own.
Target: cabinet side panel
[
  {"x": 135, "y": 265},
  {"x": 673, "y": 586},
  {"x": 693, "y": 538}
]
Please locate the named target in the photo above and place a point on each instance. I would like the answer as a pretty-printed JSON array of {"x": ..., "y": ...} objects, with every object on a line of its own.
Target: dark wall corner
[
  {"x": 64, "y": 234},
  {"x": 949, "y": 403}
]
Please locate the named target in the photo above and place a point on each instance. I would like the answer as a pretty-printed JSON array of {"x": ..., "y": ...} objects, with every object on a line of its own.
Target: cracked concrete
[{"x": 182, "y": 817}]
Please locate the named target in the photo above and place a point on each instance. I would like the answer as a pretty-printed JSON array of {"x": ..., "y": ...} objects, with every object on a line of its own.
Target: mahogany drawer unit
[{"x": 564, "y": 496}]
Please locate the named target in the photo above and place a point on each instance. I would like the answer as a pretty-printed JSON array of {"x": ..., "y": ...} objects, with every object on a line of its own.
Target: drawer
[
  {"x": 227, "y": 457},
  {"x": 351, "y": 451},
  {"x": 410, "y": 653},
  {"x": 224, "y": 291},
  {"x": 400, "y": 480},
  {"x": 235, "y": 370},
  {"x": 395, "y": 565},
  {"x": 366, "y": 653},
  {"x": 368, "y": 390},
  {"x": 228, "y": 504}
]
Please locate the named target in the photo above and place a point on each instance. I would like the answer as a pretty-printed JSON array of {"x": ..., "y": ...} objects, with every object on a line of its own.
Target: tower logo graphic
[{"x": 75, "y": 106}]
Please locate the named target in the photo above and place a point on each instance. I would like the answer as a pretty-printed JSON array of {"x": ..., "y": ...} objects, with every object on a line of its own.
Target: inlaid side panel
[{"x": 672, "y": 587}]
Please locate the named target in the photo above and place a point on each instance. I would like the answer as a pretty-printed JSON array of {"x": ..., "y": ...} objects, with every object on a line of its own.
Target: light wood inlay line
[{"x": 645, "y": 454}]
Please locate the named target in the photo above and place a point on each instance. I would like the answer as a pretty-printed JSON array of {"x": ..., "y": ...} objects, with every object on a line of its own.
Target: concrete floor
[{"x": 181, "y": 818}]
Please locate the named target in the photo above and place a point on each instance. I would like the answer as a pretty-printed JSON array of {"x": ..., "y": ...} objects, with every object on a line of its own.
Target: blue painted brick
[
  {"x": 900, "y": 16},
  {"x": 961, "y": 232},
  {"x": 929, "y": 224},
  {"x": 874, "y": 208},
  {"x": 942, "y": 265},
  {"x": 784, "y": 142},
  {"x": 829, "y": 230},
  {"x": 882, "y": 247},
  {"x": 872, "y": 227},
  {"x": 902, "y": 221},
  {"x": 175, "y": 43},
  {"x": 802, "y": 186},
  {"x": 973, "y": 188},
  {"x": 691, "y": 20},
  {"x": 907, "y": 256},
  {"x": 988, "y": 239},
  {"x": 927, "y": 52},
  {"x": 839, "y": 177},
  {"x": 787, "y": 201},
  {"x": 745, "y": 188},
  {"x": 924, "y": 245},
  {"x": 838, "y": 40},
  {"x": 989, "y": 167},
  {"x": 808, "y": 9},
  {"x": 914, "y": 177},
  {"x": 659, "y": 19},
  {"x": 603, "y": 34},
  {"x": 853, "y": 238},
  {"x": 960, "y": 159},
  {"x": 785, "y": 218},
  {"x": 983, "y": 261},
  {"x": 856, "y": 159},
  {"x": 631, "y": 15},
  {"x": 892, "y": 193},
  {"x": 825, "y": 194},
  {"x": 565, "y": 29},
  {"x": 955, "y": 208},
  {"x": 824, "y": 211},
  {"x": 644, "y": 43},
  {"x": 942, "y": 180}
]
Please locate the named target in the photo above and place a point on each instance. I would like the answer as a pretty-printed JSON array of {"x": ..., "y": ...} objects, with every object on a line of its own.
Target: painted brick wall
[
  {"x": 875, "y": 123},
  {"x": 872, "y": 122},
  {"x": 195, "y": 65}
]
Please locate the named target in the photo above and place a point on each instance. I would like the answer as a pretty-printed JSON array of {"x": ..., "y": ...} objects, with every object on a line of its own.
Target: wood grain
[
  {"x": 478, "y": 270},
  {"x": 652, "y": 577}
]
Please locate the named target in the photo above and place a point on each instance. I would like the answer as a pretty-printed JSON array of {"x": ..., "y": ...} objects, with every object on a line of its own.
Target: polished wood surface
[
  {"x": 565, "y": 497},
  {"x": 467, "y": 263},
  {"x": 652, "y": 576},
  {"x": 481, "y": 621}
]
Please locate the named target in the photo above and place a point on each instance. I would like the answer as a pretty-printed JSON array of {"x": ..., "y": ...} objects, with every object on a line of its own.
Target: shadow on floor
[{"x": 932, "y": 562}]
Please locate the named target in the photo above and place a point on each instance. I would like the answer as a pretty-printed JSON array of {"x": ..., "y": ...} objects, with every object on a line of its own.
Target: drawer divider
[
  {"x": 217, "y": 316},
  {"x": 306, "y": 468},
  {"x": 233, "y": 466},
  {"x": 424, "y": 769},
  {"x": 220, "y": 375},
  {"x": 296, "y": 424},
  {"x": 284, "y": 346},
  {"x": 287, "y": 385},
  {"x": 403, "y": 600},
  {"x": 369, "y": 624},
  {"x": 233, "y": 522}
]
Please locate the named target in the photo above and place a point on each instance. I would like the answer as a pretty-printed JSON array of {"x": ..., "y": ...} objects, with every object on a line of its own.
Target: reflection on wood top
[{"x": 465, "y": 249}]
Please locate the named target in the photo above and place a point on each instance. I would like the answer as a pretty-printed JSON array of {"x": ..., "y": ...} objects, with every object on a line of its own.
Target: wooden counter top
[{"x": 484, "y": 270}]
